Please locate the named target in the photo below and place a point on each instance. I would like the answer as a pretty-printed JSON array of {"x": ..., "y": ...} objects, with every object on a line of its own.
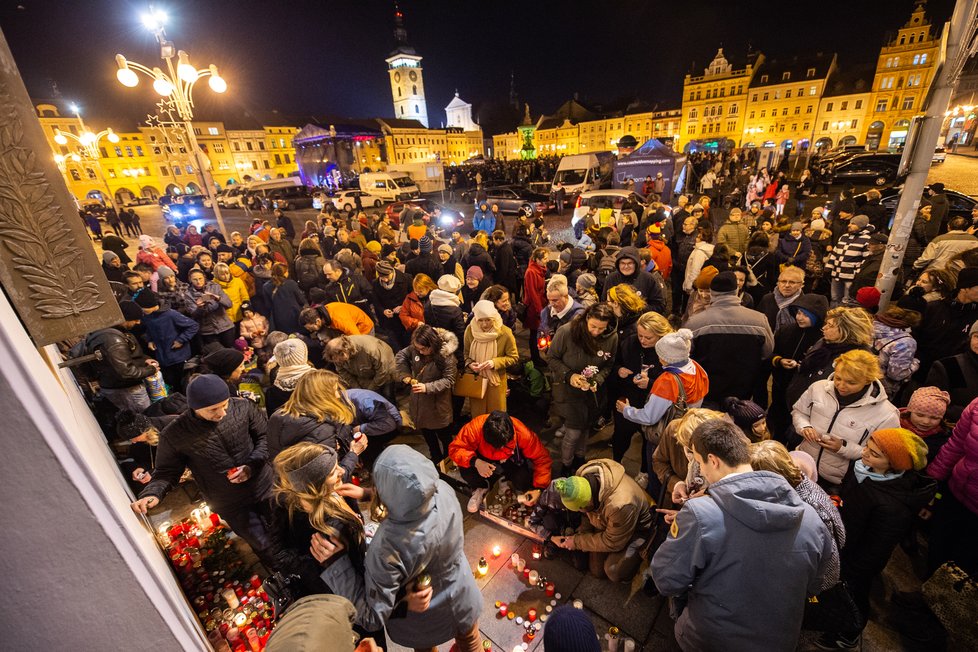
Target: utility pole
[{"x": 957, "y": 44}]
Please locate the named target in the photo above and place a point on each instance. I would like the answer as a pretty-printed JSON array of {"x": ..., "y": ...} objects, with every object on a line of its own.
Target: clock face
[
  {"x": 397, "y": 76},
  {"x": 414, "y": 76}
]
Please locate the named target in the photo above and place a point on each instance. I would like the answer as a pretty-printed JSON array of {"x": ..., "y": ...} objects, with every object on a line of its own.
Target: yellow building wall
[
  {"x": 841, "y": 118},
  {"x": 281, "y": 151},
  {"x": 782, "y": 112},
  {"x": 714, "y": 105}
]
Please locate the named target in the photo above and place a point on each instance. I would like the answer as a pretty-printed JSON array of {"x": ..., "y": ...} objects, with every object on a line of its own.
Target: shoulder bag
[{"x": 675, "y": 411}]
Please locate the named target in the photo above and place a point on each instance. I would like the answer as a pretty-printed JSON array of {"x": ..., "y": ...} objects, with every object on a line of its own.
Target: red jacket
[
  {"x": 662, "y": 256},
  {"x": 534, "y": 294},
  {"x": 469, "y": 443},
  {"x": 412, "y": 312}
]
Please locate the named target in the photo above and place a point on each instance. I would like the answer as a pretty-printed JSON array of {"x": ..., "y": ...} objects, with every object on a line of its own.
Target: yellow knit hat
[{"x": 904, "y": 449}]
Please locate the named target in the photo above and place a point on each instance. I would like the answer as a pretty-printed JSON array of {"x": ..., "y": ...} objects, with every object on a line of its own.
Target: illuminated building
[
  {"x": 714, "y": 103},
  {"x": 407, "y": 77}
]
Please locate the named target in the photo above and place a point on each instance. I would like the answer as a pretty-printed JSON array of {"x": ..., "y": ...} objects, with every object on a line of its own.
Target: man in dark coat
[
  {"x": 222, "y": 441},
  {"x": 426, "y": 262},
  {"x": 391, "y": 287},
  {"x": 870, "y": 268},
  {"x": 507, "y": 272},
  {"x": 628, "y": 269},
  {"x": 348, "y": 286},
  {"x": 284, "y": 222},
  {"x": 875, "y": 211},
  {"x": 939, "y": 207},
  {"x": 479, "y": 257},
  {"x": 944, "y": 329},
  {"x": 118, "y": 246}
]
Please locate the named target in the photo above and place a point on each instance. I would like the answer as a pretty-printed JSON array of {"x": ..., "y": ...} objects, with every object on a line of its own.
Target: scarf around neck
[{"x": 483, "y": 349}]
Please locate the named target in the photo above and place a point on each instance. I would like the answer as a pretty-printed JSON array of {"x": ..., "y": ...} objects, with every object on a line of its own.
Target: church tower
[{"x": 407, "y": 82}]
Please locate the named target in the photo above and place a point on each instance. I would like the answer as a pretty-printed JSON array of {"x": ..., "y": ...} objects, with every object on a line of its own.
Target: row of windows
[
  {"x": 844, "y": 105},
  {"x": 812, "y": 90},
  {"x": 711, "y": 111},
  {"x": 919, "y": 38},
  {"x": 786, "y": 76},
  {"x": 886, "y": 83},
  {"x": 918, "y": 60},
  {"x": 908, "y": 101},
  {"x": 784, "y": 111},
  {"x": 713, "y": 128},
  {"x": 852, "y": 125},
  {"x": 712, "y": 93}
]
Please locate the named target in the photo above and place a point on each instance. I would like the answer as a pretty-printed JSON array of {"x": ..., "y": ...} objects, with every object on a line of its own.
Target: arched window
[
  {"x": 912, "y": 37},
  {"x": 414, "y": 89}
]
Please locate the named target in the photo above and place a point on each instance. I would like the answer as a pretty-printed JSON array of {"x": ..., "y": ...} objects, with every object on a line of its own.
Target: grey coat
[
  {"x": 371, "y": 366},
  {"x": 750, "y": 547},
  {"x": 432, "y": 409},
  {"x": 578, "y": 408},
  {"x": 422, "y": 533},
  {"x": 213, "y": 314}
]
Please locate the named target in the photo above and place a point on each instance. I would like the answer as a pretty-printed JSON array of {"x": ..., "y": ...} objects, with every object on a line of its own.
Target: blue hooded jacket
[
  {"x": 163, "y": 328},
  {"x": 484, "y": 219}
]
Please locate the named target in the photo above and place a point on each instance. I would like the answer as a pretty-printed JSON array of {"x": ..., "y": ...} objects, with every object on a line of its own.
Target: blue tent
[{"x": 648, "y": 160}]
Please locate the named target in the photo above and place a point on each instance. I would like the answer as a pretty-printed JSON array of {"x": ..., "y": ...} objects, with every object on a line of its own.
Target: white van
[
  {"x": 391, "y": 186},
  {"x": 287, "y": 182},
  {"x": 582, "y": 172}
]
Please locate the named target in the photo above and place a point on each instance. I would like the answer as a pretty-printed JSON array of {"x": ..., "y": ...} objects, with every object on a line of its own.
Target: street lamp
[
  {"x": 177, "y": 85},
  {"x": 88, "y": 144}
]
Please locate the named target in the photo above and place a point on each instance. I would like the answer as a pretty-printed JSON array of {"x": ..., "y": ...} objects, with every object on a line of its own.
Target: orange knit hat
[{"x": 904, "y": 449}]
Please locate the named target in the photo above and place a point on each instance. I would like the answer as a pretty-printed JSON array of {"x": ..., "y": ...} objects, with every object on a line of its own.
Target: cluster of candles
[{"x": 533, "y": 577}]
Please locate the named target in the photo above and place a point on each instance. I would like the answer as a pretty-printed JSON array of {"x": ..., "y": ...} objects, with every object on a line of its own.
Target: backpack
[
  {"x": 579, "y": 229},
  {"x": 307, "y": 273}
]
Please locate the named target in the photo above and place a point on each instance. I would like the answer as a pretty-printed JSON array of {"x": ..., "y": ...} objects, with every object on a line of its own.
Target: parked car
[
  {"x": 139, "y": 201},
  {"x": 449, "y": 217},
  {"x": 345, "y": 200},
  {"x": 290, "y": 198},
  {"x": 959, "y": 204},
  {"x": 181, "y": 209},
  {"x": 232, "y": 197},
  {"x": 870, "y": 168},
  {"x": 940, "y": 155},
  {"x": 516, "y": 199},
  {"x": 612, "y": 198}
]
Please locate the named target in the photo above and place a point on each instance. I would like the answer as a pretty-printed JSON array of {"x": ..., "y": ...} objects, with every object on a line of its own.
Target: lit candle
[
  {"x": 514, "y": 559},
  {"x": 578, "y": 604},
  {"x": 557, "y": 596},
  {"x": 628, "y": 645},
  {"x": 240, "y": 619},
  {"x": 511, "y": 615},
  {"x": 520, "y": 565},
  {"x": 519, "y": 620},
  {"x": 549, "y": 608},
  {"x": 503, "y": 609},
  {"x": 496, "y": 551},
  {"x": 230, "y": 597},
  {"x": 534, "y": 577},
  {"x": 543, "y": 618},
  {"x": 537, "y": 551},
  {"x": 531, "y": 615},
  {"x": 526, "y": 573},
  {"x": 483, "y": 566},
  {"x": 518, "y": 648},
  {"x": 550, "y": 588}
]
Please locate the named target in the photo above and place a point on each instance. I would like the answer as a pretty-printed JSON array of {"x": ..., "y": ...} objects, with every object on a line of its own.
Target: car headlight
[
  {"x": 191, "y": 211},
  {"x": 446, "y": 220}
]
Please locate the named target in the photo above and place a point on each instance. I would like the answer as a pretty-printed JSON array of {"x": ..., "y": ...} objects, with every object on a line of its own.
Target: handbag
[
  {"x": 832, "y": 610},
  {"x": 675, "y": 411},
  {"x": 470, "y": 385}
]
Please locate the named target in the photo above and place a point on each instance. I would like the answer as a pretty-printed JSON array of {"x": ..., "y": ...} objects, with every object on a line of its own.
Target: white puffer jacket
[{"x": 818, "y": 408}]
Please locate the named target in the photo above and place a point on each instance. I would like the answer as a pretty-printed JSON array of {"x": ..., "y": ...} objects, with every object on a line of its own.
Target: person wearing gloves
[
  {"x": 837, "y": 415},
  {"x": 881, "y": 497},
  {"x": 412, "y": 504},
  {"x": 489, "y": 349},
  {"x": 222, "y": 441},
  {"x": 494, "y": 447}
]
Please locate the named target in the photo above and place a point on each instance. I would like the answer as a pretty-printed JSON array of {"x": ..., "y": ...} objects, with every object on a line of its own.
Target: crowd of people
[{"x": 790, "y": 429}]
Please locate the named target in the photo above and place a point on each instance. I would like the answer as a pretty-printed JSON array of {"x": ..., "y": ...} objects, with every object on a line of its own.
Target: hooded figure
[
  {"x": 484, "y": 219},
  {"x": 421, "y": 534},
  {"x": 635, "y": 276}
]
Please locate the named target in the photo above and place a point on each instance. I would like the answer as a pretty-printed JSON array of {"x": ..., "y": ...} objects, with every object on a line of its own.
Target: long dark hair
[
  {"x": 427, "y": 337},
  {"x": 578, "y": 326}
]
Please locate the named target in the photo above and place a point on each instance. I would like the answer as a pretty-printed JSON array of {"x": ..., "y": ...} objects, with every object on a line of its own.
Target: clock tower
[{"x": 407, "y": 82}]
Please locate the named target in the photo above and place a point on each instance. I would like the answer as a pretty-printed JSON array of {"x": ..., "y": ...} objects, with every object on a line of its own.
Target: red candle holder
[
  {"x": 550, "y": 589},
  {"x": 526, "y": 573},
  {"x": 503, "y": 610},
  {"x": 531, "y": 615},
  {"x": 255, "y": 582},
  {"x": 537, "y": 551},
  {"x": 215, "y": 520}
]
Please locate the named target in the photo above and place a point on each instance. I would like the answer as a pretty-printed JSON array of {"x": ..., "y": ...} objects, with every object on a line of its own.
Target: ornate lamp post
[
  {"x": 88, "y": 146},
  {"x": 177, "y": 86}
]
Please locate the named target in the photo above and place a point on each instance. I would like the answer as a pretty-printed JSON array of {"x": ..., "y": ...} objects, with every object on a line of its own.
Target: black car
[
  {"x": 871, "y": 168},
  {"x": 291, "y": 197},
  {"x": 959, "y": 204},
  {"x": 516, "y": 199}
]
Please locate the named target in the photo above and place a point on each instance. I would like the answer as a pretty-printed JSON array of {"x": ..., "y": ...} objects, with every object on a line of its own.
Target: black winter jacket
[
  {"x": 285, "y": 430},
  {"x": 210, "y": 449},
  {"x": 123, "y": 361}
]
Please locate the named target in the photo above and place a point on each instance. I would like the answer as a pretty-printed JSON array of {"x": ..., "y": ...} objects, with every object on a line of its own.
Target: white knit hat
[
  {"x": 292, "y": 353},
  {"x": 486, "y": 309},
  {"x": 449, "y": 283},
  {"x": 673, "y": 349}
]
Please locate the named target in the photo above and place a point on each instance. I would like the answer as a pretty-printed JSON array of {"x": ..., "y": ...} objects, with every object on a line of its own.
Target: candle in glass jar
[
  {"x": 496, "y": 551},
  {"x": 537, "y": 551},
  {"x": 520, "y": 565},
  {"x": 526, "y": 573},
  {"x": 534, "y": 577},
  {"x": 503, "y": 609},
  {"x": 514, "y": 559},
  {"x": 230, "y": 597},
  {"x": 255, "y": 582},
  {"x": 531, "y": 615},
  {"x": 253, "y": 640},
  {"x": 549, "y": 587},
  {"x": 240, "y": 619},
  {"x": 578, "y": 604}
]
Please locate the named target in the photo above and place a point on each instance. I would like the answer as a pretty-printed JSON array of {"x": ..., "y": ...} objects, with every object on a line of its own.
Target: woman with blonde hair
[
  {"x": 837, "y": 415},
  {"x": 412, "y": 309},
  {"x": 636, "y": 366},
  {"x": 233, "y": 287},
  {"x": 489, "y": 348},
  {"x": 672, "y": 459},
  {"x": 318, "y": 411},
  {"x": 844, "y": 329},
  {"x": 628, "y": 305}
]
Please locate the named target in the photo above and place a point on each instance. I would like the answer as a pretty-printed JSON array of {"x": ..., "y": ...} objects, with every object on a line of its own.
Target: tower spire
[{"x": 400, "y": 34}]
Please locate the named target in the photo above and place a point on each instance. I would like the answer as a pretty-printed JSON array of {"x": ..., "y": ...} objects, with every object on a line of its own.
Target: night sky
[{"x": 305, "y": 57}]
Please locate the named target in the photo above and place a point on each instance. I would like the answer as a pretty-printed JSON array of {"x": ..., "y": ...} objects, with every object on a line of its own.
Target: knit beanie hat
[
  {"x": 570, "y": 630},
  {"x": 109, "y": 256},
  {"x": 206, "y": 390},
  {"x": 575, "y": 492},
  {"x": 373, "y": 247},
  {"x": 129, "y": 425},
  {"x": 868, "y": 297},
  {"x": 862, "y": 221},
  {"x": 929, "y": 401},
  {"x": 745, "y": 412},
  {"x": 386, "y": 250},
  {"x": 291, "y": 353},
  {"x": 967, "y": 278},
  {"x": 904, "y": 449},
  {"x": 485, "y": 309},
  {"x": 705, "y": 278},
  {"x": 223, "y": 362},
  {"x": 445, "y": 249},
  {"x": 673, "y": 348},
  {"x": 165, "y": 272},
  {"x": 474, "y": 272},
  {"x": 724, "y": 283},
  {"x": 565, "y": 257},
  {"x": 449, "y": 283},
  {"x": 130, "y": 311},
  {"x": 796, "y": 226},
  {"x": 384, "y": 268},
  {"x": 818, "y": 224},
  {"x": 586, "y": 281},
  {"x": 147, "y": 299},
  {"x": 425, "y": 244}
]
